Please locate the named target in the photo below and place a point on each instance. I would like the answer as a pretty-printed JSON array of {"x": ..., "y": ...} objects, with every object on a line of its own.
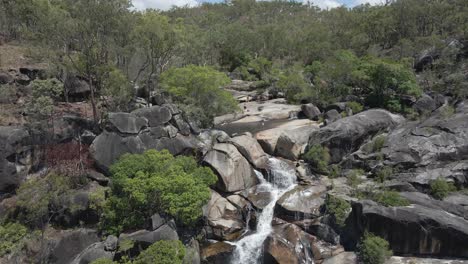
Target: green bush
[
  {"x": 374, "y": 249},
  {"x": 44, "y": 94},
  {"x": 117, "y": 91},
  {"x": 390, "y": 199},
  {"x": 103, "y": 261},
  {"x": 440, "y": 188},
  {"x": 11, "y": 235},
  {"x": 155, "y": 181},
  {"x": 319, "y": 158},
  {"x": 354, "y": 177},
  {"x": 162, "y": 252},
  {"x": 335, "y": 171},
  {"x": 339, "y": 208},
  {"x": 197, "y": 90},
  {"x": 384, "y": 174},
  {"x": 355, "y": 107},
  {"x": 293, "y": 85},
  {"x": 378, "y": 143}
]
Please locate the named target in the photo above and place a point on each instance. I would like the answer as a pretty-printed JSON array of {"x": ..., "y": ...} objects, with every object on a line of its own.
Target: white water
[{"x": 281, "y": 179}]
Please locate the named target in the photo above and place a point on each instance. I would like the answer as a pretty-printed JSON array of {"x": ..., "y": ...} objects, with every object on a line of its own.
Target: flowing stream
[{"x": 280, "y": 179}]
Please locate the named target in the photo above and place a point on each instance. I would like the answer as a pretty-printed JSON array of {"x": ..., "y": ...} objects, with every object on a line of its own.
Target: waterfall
[{"x": 280, "y": 179}]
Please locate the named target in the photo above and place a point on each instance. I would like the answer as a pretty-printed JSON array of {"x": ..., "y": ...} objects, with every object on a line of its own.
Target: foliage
[
  {"x": 198, "y": 90},
  {"x": 355, "y": 107},
  {"x": 162, "y": 252},
  {"x": 339, "y": 208},
  {"x": 378, "y": 143},
  {"x": 335, "y": 171},
  {"x": 354, "y": 177},
  {"x": 103, "y": 261},
  {"x": 390, "y": 199},
  {"x": 44, "y": 94},
  {"x": 7, "y": 93},
  {"x": 293, "y": 85},
  {"x": 374, "y": 249},
  {"x": 384, "y": 173},
  {"x": 11, "y": 235},
  {"x": 440, "y": 188},
  {"x": 319, "y": 158},
  {"x": 118, "y": 91},
  {"x": 144, "y": 184}
]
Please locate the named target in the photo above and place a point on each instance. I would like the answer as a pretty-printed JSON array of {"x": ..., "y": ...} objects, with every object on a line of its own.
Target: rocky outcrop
[
  {"x": 224, "y": 219},
  {"x": 414, "y": 229},
  {"x": 301, "y": 202},
  {"x": 311, "y": 111},
  {"x": 331, "y": 116},
  {"x": 250, "y": 149},
  {"x": 68, "y": 244},
  {"x": 425, "y": 104},
  {"x": 141, "y": 130},
  {"x": 348, "y": 134},
  {"x": 235, "y": 172},
  {"x": 291, "y": 144},
  {"x": 144, "y": 238},
  {"x": 99, "y": 250},
  {"x": 217, "y": 253}
]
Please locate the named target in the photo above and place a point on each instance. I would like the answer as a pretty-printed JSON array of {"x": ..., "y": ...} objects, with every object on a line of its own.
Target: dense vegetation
[
  {"x": 374, "y": 249},
  {"x": 144, "y": 184},
  {"x": 309, "y": 54}
]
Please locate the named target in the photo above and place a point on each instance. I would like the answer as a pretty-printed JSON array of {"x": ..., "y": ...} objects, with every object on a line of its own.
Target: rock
[
  {"x": 416, "y": 260},
  {"x": 217, "y": 253},
  {"x": 126, "y": 123},
  {"x": 339, "y": 107},
  {"x": 16, "y": 157},
  {"x": 415, "y": 229},
  {"x": 77, "y": 88},
  {"x": 271, "y": 110},
  {"x": 428, "y": 202},
  {"x": 70, "y": 243},
  {"x": 331, "y": 116},
  {"x": 145, "y": 238},
  {"x": 311, "y": 111},
  {"x": 347, "y": 135},
  {"x": 208, "y": 138},
  {"x": 250, "y": 149},
  {"x": 92, "y": 253},
  {"x": 288, "y": 244},
  {"x": 343, "y": 258},
  {"x": 5, "y": 78},
  {"x": 425, "y": 104},
  {"x": 317, "y": 228},
  {"x": 292, "y": 143},
  {"x": 302, "y": 202},
  {"x": 156, "y": 115},
  {"x": 157, "y": 221},
  {"x": 111, "y": 243},
  {"x": 192, "y": 252},
  {"x": 181, "y": 124},
  {"x": 426, "y": 58},
  {"x": 458, "y": 199},
  {"x": 234, "y": 170},
  {"x": 223, "y": 217}
]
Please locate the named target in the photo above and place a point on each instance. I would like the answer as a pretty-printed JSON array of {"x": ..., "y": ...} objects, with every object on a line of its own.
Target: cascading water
[{"x": 280, "y": 179}]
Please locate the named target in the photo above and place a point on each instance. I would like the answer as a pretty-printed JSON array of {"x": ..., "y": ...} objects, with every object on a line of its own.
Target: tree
[
  {"x": 144, "y": 184},
  {"x": 162, "y": 252},
  {"x": 198, "y": 91},
  {"x": 374, "y": 249},
  {"x": 117, "y": 91}
]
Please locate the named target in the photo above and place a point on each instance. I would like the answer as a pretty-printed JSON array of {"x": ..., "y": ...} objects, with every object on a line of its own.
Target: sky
[{"x": 166, "y": 4}]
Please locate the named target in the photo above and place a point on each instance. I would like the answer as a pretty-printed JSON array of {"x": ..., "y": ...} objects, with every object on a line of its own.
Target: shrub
[
  {"x": 390, "y": 199},
  {"x": 11, "y": 235},
  {"x": 117, "y": 91},
  {"x": 339, "y": 208},
  {"x": 378, "y": 143},
  {"x": 162, "y": 252},
  {"x": 374, "y": 249},
  {"x": 154, "y": 181},
  {"x": 384, "y": 173},
  {"x": 335, "y": 171},
  {"x": 197, "y": 90},
  {"x": 44, "y": 93},
  {"x": 355, "y": 107},
  {"x": 103, "y": 261},
  {"x": 319, "y": 157},
  {"x": 354, "y": 177},
  {"x": 441, "y": 188},
  {"x": 293, "y": 85}
]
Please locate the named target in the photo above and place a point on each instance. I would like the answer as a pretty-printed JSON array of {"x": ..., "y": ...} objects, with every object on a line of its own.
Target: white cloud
[
  {"x": 326, "y": 4},
  {"x": 372, "y": 2},
  {"x": 161, "y": 4}
]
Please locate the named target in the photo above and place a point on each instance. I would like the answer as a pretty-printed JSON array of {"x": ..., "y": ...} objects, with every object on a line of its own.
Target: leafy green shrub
[
  {"x": 378, "y": 143},
  {"x": 162, "y": 252},
  {"x": 440, "y": 188},
  {"x": 103, "y": 261},
  {"x": 44, "y": 94},
  {"x": 197, "y": 90},
  {"x": 11, "y": 235},
  {"x": 154, "y": 181},
  {"x": 355, "y": 107},
  {"x": 384, "y": 173},
  {"x": 354, "y": 177},
  {"x": 339, "y": 208},
  {"x": 117, "y": 91},
  {"x": 335, "y": 171},
  {"x": 390, "y": 199},
  {"x": 293, "y": 84},
  {"x": 318, "y": 157},
  {"x": 374, "y": 249}
]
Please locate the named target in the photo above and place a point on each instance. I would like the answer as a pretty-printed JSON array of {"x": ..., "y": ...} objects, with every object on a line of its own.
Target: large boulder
[
  {"x": 292, "y": 143},
  {"x": 251, "y": 149},
  {"x": 217, "y": 253},
  {"x": 76, "y": 87},
  {"x": 235, "y": 172},
  {"x": 224, "y": 219},
  {"x": 5, "y": 78},
  {"x": 126, "y": 123},
  {"x": 348, "y": 134},
  {"x": 301, "y": 202},
  {"x": 69, "y": 243},
  {"x": 311, "y": 111},
  {"x": 144, "y": 238},
  {"x": 331, "y": 116},
  {"x": 426, "y": 201},
  {"x": 156, "y": 115},
  {"x": 425, "y": 104},
  {"x": 415, "y": 229},
  {"x": 99, "y": 250}
]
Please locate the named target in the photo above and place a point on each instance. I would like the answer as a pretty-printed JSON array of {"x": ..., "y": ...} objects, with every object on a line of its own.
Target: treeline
[{"x": 308, "y": 53}]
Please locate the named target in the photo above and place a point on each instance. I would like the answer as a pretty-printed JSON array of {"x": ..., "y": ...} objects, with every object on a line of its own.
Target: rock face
[
  {"x": 15, "y": 157},
  {"x": 331, "y": 116},
  {"x": 235, "y": 172},
  {"x": 224, "y": 219},
  {"x": 70, "y": 244},
  {"x": 217, "y": 253},
  {"x": 99, "y": 250},
  {"x": 301, "y": 202},
  {"x": 413, "y": 229},
  {"x": 76, "y": 87},
  {"x": 425, "y": 104},
  {"x": 144, "y": 238},
  {"x": 136, "y": 132},
  {"x": 251, "y": 149},
  {"x": 311, "y": 111},
  {"x": 347, "y": 135},
  {"x": 292, "y": 143}
]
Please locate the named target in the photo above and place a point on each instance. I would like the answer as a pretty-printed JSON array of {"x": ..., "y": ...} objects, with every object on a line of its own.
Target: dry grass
[{"x": 13, "y": 56}]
